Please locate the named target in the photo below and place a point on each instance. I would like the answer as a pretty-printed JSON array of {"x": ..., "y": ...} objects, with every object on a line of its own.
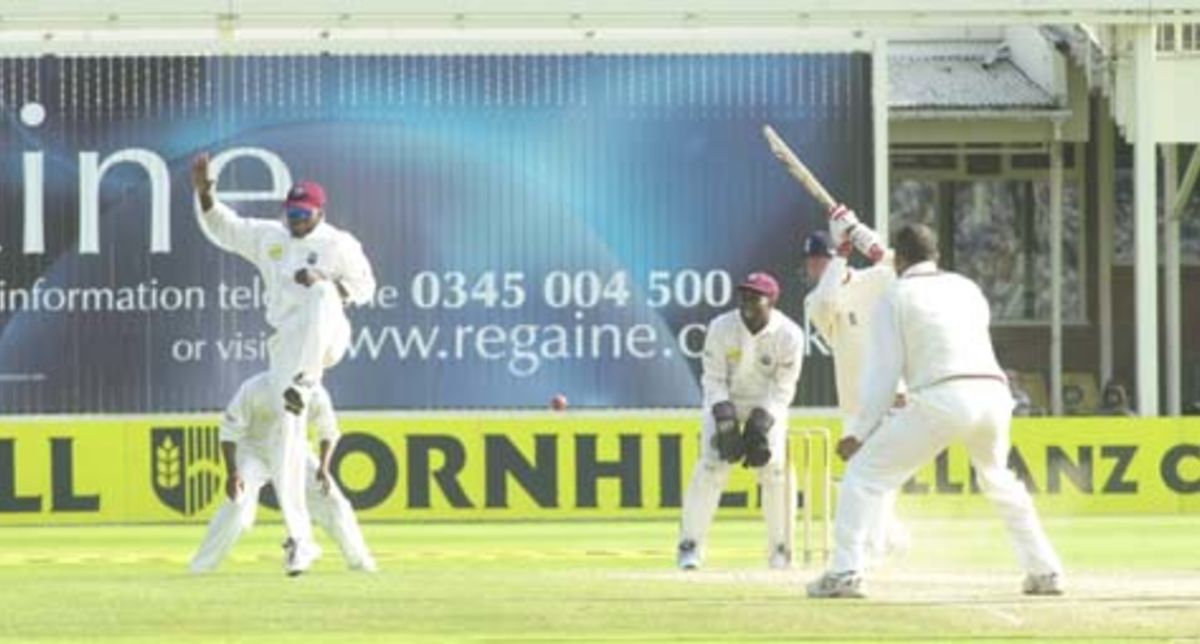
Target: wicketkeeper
[
  {"x": 752, "y": 360},
  {"x": 250, "y": 437}
]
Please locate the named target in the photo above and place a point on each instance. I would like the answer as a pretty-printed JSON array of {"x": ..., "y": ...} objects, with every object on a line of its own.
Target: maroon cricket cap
[
  {"x": 762, "y": 283},
  {"x": 306, "y": 194}
]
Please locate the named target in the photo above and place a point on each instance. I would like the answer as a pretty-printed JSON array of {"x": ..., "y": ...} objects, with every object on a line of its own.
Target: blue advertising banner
[{"x": 538, "y": 224}]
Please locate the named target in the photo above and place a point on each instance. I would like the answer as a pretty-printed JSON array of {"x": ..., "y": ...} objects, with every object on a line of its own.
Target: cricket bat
[{"x": 797, "y": 169}]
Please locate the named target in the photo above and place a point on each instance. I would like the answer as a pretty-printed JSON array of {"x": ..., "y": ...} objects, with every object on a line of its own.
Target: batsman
[
  {"x": 840, "y": 306},
  {"x": 310, "y": 271},
  {"x": 752, "y": 360}
]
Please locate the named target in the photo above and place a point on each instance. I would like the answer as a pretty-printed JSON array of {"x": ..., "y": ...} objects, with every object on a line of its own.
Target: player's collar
[
  {"x": 773, "y": 323},
  {"x": 921, "y": 269},
  {"x": 320, "y": 231}
]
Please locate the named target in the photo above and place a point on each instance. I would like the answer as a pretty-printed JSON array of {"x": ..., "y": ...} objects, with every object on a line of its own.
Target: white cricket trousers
[
  {"x": 703, "y": 495},
  {"x": 974, "y": 412},
  {"x": 310, "y": 339},
  {"x": 331, "y": 511},
  {"x": 889, "y": 531}
]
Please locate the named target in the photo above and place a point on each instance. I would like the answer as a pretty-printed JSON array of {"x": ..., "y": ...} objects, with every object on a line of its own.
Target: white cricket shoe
[
  {"x": 688, "y": 555},
  {"x": 1042, "y": 584},
  {"x": 837, "y": 585},
  {"x": 780, "y": 559},
  {"x": 298, "y": 558}
]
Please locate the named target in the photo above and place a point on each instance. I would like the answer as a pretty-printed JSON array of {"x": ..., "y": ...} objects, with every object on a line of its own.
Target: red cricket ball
[{"x": 558, "y": 402}]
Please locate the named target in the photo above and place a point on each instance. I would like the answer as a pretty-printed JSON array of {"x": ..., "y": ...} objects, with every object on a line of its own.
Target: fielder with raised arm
[
  {"x": 752, "y": 360},
  {"x": 250, "y": 437},
  {"x": 310, "y": 271},
  {"x": 840, "y": 306},
  {"x": 931, "y": 328}
]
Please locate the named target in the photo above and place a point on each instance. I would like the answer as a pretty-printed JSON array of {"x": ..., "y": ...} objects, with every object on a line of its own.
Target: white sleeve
[
  {"x": 231, "y": 232},
  {"x": 879, "y": 378},
  {"x": 715, "y": 379},
  {"x": 789, "y": 361},
  {"x": 822, "y": 301},
  {"x": 877, "y": 278},
  {"x": 356, "y": 276},
  {"x": 237, "y": 417},
  {"x": 323, "y": 417}
]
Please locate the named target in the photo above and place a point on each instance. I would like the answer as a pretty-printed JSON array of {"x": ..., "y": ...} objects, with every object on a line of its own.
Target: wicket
[{"x": 812, "y": 441}]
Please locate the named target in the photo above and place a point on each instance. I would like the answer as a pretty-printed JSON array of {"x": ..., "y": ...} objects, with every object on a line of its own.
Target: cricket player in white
[
  {"x": 752, "y": 360},
  {"x": 310, "y": 271},
  {"x": 840, "y": 306},
  {"x": 843, "y": 299},
  {"x": 250, "y": 437},
  {"x": 932, "y": 329}
]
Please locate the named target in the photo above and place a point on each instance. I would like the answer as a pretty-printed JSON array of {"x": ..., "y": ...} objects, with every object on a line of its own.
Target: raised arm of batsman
[
  {"x": 845, "y": 228},
  {"x": 822, "y": 302}
]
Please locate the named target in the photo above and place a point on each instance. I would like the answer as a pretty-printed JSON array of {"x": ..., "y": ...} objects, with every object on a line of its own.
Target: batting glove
[
  {"x": 867, "y": 242},
  {"x": 841, "y": 221}
]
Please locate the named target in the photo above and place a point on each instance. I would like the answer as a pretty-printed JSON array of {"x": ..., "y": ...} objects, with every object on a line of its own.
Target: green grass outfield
[{"x": 1131, "y": 578}]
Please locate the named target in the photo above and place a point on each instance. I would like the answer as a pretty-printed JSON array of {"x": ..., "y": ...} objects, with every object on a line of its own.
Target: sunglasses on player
[{"x": 296, "y": 213}]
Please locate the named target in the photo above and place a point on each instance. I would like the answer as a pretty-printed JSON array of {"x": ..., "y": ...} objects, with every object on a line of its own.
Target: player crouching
[
  {"x": 251, "y": 432},
  {"x": 752, "y": 360}
]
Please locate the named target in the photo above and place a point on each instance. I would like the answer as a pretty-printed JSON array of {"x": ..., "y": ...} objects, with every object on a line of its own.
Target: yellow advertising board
[{"x": 551, "y": 466}]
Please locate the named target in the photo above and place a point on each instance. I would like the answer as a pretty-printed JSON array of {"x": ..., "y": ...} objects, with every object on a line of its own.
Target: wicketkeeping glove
[
  {"x": 756, "y": 437},
  {"x": 728, "y": 438}
]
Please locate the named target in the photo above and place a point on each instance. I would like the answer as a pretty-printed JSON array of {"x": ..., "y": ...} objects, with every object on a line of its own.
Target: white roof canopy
[{"x": 486, "y": 14}]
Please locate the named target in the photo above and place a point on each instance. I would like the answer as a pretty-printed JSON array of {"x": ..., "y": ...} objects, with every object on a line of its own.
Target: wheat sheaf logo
[{"x": 185, "y": 466}]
